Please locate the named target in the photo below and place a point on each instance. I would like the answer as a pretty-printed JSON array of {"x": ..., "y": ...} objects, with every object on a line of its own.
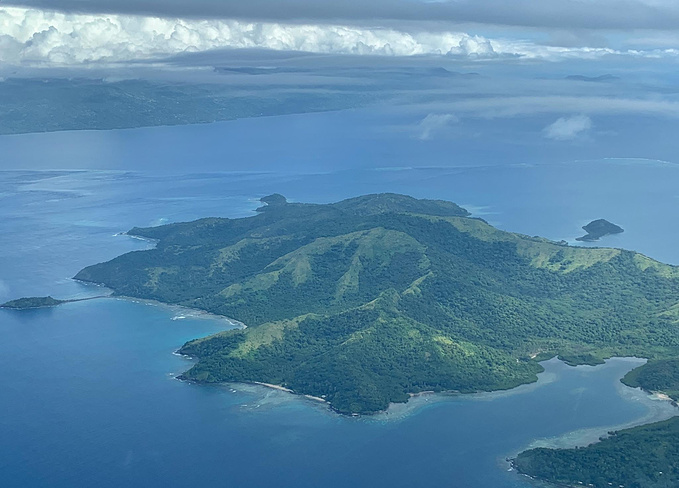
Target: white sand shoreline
[{"x": 288, "y": 390}]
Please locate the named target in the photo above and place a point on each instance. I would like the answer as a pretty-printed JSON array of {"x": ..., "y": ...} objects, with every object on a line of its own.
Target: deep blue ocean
[{"x": 88, "y": 395}]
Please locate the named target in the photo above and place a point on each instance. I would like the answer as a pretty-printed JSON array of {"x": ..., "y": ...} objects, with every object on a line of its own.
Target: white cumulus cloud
[
  {"x": 568, "y": 128},
  {"x": 474, "y": 46},
  {"x": 35, "y": 37}
]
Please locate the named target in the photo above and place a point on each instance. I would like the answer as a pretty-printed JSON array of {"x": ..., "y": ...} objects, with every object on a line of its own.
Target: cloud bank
[
  {"x": 30, "y": 37},
  {"x": 35, "y": 36}
]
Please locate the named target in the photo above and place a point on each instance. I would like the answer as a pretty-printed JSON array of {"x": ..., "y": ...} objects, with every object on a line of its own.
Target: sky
[
  {"x": 570, "y": 14},
  {"x": 77, "y": 32}
]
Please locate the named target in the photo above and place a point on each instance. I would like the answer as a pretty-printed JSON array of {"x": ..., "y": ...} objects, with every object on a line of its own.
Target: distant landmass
[
  {"x": 37, "y": 104},
  {"x": 597, "y": 229},
  {"x": 594, "y": 79},
  {"x": 366, "y": 301},
  {"x": 54, "y": 104}
]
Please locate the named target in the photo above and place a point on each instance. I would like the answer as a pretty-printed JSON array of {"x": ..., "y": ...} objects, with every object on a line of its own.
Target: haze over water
[{"x": 88, "y": 395}]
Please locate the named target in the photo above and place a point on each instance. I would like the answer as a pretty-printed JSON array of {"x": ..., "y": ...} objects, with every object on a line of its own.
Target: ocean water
[{"x": 88, "y": 395}]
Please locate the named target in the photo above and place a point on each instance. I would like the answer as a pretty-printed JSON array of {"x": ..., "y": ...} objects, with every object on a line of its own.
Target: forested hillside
[
  {"x": 642, "y": 457},
  {"x": 367, "y": 300}
]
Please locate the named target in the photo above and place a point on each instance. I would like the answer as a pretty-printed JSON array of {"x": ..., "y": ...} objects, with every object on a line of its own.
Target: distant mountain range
[{"x": 601, "y": 78}]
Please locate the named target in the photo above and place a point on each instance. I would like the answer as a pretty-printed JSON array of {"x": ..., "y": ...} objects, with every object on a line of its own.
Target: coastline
[
  {"x": 659, "y": 406},
  {"x": 183, "y": 312},
  {"x": 275, "y": 387},
  {"x": 288, "y": 390},
  {"x": 139, "y": 238},
  {"x": 424, "y": 399},
  {"x": 665, "y": 407},
  {"x": 395, "y": 411},
  {"x": 419, "y": 400},
  {"x": 659, "y": 409},
  {"x": 188, "y": 312}
]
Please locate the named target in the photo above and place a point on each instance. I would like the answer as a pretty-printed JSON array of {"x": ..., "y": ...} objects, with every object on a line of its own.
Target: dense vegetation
[
  {"x": 367, "y": 300},
  {"x": 597, "y": 229},
  {"x": 642, "y": 457},
  {"x": 32, "y": 302},
  {"x": 658, "y": 375}
]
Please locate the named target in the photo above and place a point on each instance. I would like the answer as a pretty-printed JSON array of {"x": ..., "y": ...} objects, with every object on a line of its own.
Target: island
[
  {"x": 42, "y": 302},
  {"x": 366, "y": 301},
  {"x": 32, "y": 302},
  {"x": 599, "y": 228}
]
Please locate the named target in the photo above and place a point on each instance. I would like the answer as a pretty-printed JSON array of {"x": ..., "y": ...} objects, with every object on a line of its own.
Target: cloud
[
  {"x": 474, "y": 46},
  {"x": 565, "y": 14},
  {"x": 4, "y": 290},
  {"x": 512, "y": 106},
  {"x": 567, "y": 128},
  {"x": 30, "y": 37},
  {"x": 433, "y": 123}
]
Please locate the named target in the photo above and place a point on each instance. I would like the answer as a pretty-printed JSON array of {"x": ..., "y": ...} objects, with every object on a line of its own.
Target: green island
[
  {"x": 366, "y": 301},
  {"x": 32, "y": 302},
  {"x": 42, "y": 302},
  {"x": 599, "y": 228}
]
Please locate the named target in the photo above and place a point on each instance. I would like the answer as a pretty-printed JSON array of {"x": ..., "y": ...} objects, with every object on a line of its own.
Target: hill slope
[{"x": 366, "y": 300}]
